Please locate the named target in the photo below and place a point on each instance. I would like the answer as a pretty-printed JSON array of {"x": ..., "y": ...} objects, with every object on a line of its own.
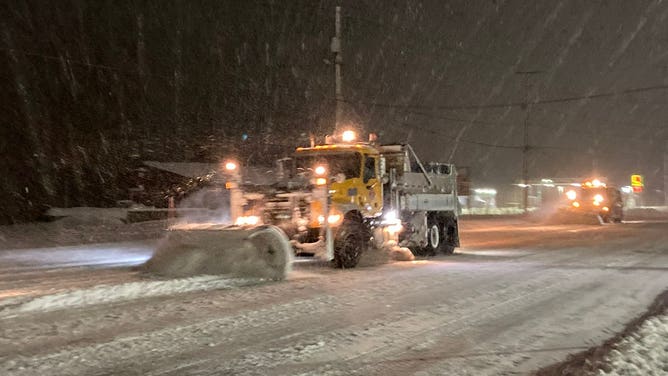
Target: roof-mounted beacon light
[{"x": 348, "y": 136}]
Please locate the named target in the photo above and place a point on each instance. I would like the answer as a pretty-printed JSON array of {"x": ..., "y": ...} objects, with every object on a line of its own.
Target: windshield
[{"x": 348, "y": 164}]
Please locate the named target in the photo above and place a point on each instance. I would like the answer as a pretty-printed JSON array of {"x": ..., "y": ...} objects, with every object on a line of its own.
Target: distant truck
[{"x": 596, "y": 198}]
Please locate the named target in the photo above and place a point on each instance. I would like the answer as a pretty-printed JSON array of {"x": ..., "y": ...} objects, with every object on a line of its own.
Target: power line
[
  {"x": 460, "y": 120},
  {"x": 520, "y": 147},
  {"x": 539, "y": 125},
  {"x": 514, "y": 147},
  {"x": 81, "y": 63},
  {"x": 499, "y": 146},
  {"x": 514, "y": 104}
]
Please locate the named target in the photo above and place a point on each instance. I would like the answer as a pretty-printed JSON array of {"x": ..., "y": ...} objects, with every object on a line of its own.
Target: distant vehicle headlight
[{"x": 572, "y": 195}]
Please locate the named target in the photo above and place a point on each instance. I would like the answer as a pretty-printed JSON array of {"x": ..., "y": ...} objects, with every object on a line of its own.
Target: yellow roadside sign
[{"x": 637, "y": 181}]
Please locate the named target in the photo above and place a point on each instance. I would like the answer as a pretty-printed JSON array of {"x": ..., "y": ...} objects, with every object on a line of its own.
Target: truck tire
[
  {"x": 434, "y": 239},
  {"x": 447, "y": 249},
  {"x": 350, "y": 241},
  {"x": 449, "y": 236}
]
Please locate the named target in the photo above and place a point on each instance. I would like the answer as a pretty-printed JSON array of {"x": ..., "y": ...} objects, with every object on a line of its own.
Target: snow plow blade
[
  {"x": 574, "y": 217},
  {"x": 188, "y": 250}
]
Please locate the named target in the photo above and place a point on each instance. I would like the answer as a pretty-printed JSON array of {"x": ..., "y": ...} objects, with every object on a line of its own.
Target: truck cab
[{"x": 351, "y": 176}]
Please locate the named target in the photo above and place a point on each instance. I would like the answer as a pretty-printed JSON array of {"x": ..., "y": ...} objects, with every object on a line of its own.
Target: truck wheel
[
  {"x": 349, "y": 244},
  {"x": 449, "y": 237},
  {"x": 434, "y": 240},
  {"x": 434, "y": 237}
]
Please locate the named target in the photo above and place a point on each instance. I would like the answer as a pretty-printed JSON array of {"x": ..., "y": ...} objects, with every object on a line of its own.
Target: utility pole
[
  {"x": 665, "y": 174},
  {"x": 526, "y": 147},
  {"x": 338, "y": 61}
]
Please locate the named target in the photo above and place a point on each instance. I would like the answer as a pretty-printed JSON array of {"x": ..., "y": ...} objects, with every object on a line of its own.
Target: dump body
[{"x": 425, "y": 198}]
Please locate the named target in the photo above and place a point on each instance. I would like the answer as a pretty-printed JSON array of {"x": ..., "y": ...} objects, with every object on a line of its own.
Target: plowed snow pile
[
  {"x": 642, "y": 353},
  {"x": 189, "y": 250}
]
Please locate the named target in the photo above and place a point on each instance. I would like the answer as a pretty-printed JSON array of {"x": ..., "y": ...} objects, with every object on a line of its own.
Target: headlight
[
  {"x": 390, "y": 218},
  {"x": 572, "y": 195},
  {"x": 250, "y": 220},
  {"x": 230, "y": 165},
  {"x": 320, "y": 170},
  {"x": 332, "y": 219}
]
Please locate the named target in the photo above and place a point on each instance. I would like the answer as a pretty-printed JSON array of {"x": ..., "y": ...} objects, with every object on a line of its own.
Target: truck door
[{"x": 372, "y": 198}]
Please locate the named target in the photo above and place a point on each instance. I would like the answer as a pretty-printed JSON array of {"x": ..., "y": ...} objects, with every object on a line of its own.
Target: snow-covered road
[
  {"x": 518, "y": 296},
  {"x": 27, "y": 273},
  {"x": 107, "y": 254}
]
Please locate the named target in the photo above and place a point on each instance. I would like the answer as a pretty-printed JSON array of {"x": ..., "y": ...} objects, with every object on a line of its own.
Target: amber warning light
[{"x": 348, "y": 136}]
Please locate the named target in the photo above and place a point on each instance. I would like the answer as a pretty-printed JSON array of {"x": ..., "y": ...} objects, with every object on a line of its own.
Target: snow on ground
[
  {"x": 518, "y": 296},
  {"x": 107, "y": 254},
  {"x": 89, "y": 215},
  {"x": 59, "y": 233},
  {"x": 642, "y": 353},
  {"x": 105, "y": 294}
]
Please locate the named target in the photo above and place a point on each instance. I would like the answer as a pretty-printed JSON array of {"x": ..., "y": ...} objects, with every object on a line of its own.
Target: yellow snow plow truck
[{"x": 335, "y": 199}]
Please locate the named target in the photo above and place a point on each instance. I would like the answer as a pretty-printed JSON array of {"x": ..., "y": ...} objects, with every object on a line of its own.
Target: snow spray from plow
[{"x": 189, "y": 250}]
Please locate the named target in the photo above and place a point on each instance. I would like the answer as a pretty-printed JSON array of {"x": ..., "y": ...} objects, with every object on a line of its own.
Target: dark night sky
[
  {"x": 466, "y": 54},
  {"x": 89, "y": 85}
]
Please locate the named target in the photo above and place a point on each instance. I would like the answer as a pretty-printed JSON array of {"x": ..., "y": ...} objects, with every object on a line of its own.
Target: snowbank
[
  {"x": 262, "y": 252},
  {"x": 59, "y": 233},
  {"x": 642, "y": 353},
  {"x": 645, "y": 213},
  {"x": 89, "y": 215}
]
